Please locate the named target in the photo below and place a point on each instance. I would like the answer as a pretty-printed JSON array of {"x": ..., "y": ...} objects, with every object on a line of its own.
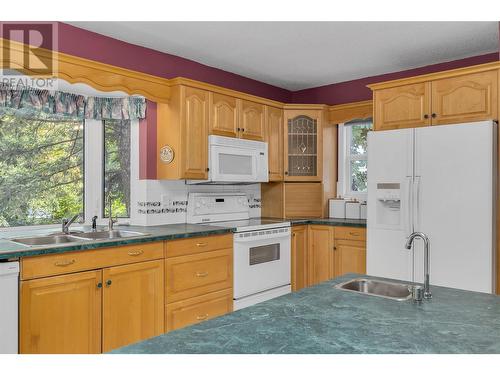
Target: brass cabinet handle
[
  {"x": 201, "y": 274},
  {"x": 134, "y": 253},
  {"x": 354, "y": 234},
  {"x": 64, "y": 263},
  {"x": 201, "y": 244},
  {"x": 202, "y": 317}
]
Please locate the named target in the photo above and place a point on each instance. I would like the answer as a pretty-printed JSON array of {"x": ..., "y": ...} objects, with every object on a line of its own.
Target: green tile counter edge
[
  {"x": 9, "y": 250},
  {"x": 322, "y": 319}
]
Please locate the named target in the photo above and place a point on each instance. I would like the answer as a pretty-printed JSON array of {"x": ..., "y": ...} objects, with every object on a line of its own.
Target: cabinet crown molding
[{"x": 434, "y": 76}]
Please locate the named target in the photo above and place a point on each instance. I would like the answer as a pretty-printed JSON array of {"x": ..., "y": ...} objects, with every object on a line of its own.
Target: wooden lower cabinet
[
  {"x": 194, "y": 275},
  {"x": 133, "y": 303},
  {"x": 332, "y": 252},
  {"x": 299, "y": 258},
  {"x": 321, "y": 257},
  {"x": 198, "y": 309},
  {"x": 350, "y": 257},
  {"x": 92, "y": 311},
  {"x": 61, "y": 314}
]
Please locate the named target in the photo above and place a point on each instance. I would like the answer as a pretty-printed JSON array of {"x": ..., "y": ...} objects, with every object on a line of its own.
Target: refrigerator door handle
[
  {"x": 416, "y": 200},
  {"x": 408, "y": 219}
]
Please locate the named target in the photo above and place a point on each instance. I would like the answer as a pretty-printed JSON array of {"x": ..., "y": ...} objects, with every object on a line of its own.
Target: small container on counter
[
  {"x": 352, "y": 210},
  {"x": 337, "y": 208},
  {"x": 363, "y": 210}
]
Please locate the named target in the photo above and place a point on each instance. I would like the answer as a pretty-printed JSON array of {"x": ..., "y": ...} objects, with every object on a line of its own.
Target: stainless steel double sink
[
  {"x": 378, "y": 288},
  {"x": 61, "y": 238}
]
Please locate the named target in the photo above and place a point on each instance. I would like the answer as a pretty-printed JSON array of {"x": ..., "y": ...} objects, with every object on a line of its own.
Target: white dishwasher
[{"x": 9, "y": 290}]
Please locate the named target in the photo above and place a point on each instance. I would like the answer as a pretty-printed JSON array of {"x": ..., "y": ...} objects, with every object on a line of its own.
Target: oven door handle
[{"x": 241, "y": 238}]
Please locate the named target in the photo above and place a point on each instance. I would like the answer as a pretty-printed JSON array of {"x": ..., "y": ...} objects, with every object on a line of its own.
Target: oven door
[
  {"x": 233, "y": 164},
  {"x": 262, "y": 261}
]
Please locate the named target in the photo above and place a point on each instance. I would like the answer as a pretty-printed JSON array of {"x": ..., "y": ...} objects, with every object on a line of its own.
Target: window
[
  {"x": 41, "y": 170},
  {"x": 116, "y": 171},
  {"x": 54, "y": 169},
  {"x": 353, "y": 158}
]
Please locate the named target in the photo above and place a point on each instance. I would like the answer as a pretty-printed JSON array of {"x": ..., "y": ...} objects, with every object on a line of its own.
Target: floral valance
[{"x": 30, "y": 101}]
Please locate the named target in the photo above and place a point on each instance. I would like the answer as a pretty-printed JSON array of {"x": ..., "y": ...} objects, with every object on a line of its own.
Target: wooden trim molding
[
  {"x": 433, "y": 76},
  {"x": 338, "y": 114},
  {"x": 224, "y": 91},
  {"x": 100, "y": 76}
]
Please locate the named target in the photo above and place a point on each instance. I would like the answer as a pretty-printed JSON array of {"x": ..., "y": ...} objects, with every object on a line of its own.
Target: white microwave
[{"x": 234, "y": 160}]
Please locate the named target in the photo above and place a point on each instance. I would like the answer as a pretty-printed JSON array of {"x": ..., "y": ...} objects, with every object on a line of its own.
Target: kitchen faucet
[
  {"x": 409, "y": 242},
  {"x": 66, "y": 223},
  {"x": 110, "y": 221}
]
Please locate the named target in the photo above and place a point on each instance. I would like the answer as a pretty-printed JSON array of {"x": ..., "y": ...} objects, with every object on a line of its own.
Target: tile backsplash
[{"x": 165, "y": 202}]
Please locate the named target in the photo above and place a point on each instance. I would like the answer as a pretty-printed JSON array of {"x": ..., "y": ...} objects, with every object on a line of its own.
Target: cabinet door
[
  {"x": 252, "y": 121},
  {"x": 402, "y": 107},
  {"x": 471, "y": 97},
  {"x": 320, "y": 253},
  {"x": 303, "y": 145},
  {"x": 223, "y": 115},
  {"x": 299, "y": 258},
  {"x": 274, "y": 135},
  {"x": 195, "y": 133},
  {"x": 61, "y": 314},
  {"x": 350, "y": 257},
  {"x": 133, "y": 303}
]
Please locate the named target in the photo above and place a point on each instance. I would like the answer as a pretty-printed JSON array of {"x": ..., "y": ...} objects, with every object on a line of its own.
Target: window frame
[
  {"x": 94, "y": 179},
  {"x": 344, "y": 160}
]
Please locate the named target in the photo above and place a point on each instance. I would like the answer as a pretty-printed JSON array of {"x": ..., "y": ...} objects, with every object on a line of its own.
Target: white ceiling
[{"x": 298, "y": 55}]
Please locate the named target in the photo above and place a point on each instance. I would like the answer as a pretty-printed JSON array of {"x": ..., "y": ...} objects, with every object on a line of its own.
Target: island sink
[{"x": 379, "y": 288}]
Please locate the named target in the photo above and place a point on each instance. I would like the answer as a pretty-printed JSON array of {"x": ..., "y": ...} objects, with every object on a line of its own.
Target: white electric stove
[{"x": 261, "y": 246}]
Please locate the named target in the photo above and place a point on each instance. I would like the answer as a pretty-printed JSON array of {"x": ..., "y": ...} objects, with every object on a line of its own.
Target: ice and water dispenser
[{"x": 388, "y": 213}]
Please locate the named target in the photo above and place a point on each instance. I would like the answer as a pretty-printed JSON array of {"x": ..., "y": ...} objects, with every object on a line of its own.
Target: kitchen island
[{"x": 322, "y": 319}]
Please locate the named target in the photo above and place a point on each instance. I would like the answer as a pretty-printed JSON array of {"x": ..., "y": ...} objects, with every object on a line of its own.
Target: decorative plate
[{"x": 167, "y": 154}]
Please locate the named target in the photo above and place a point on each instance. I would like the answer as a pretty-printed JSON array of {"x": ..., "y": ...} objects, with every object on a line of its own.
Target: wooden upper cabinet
[
  {"x": 303, "y": 145},
  {"x": 274, "y": 138},
  {"x": 133, "y": 303},
  {"x": 299, "y": 258},
  {"x": 61, "y": 314},
  {"x": 195, "y": 128},
  {"x": 223, "y": 115},
  {"x": 182, "y": 126},
  {"x": 466, "y": 95},
  {"x": 471, "y": 97},
  {"x": 402, "y": 107},
  {"x": 252, "y": 122}
]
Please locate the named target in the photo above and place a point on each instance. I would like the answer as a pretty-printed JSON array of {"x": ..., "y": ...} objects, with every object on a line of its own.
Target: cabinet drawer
[
  {"x": 58, "y": 264},
  {"x": 350, "y": 233},
  {"x": 194, "y": 275},
  {"x": 198, "y": 245},
  {"x": 198, "y": 309}
]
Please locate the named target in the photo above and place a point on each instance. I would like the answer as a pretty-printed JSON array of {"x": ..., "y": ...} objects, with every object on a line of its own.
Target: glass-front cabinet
[{"x": 303, "y": 145}]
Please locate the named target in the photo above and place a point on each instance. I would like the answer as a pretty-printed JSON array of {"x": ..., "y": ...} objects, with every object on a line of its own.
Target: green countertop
[
  {"x": 322, "y": 319},
  {"x": 10, "y": 250}
]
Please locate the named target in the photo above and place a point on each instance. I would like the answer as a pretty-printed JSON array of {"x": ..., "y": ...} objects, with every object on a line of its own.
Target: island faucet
[
  {"x": 409, "y": 242},
  {"x": 66, "y": 223}
]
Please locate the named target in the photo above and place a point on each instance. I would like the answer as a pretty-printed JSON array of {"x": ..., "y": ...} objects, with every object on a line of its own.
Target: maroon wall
[
  {"x": 356, "y": 90},
  {"x": 93, "y": 46}
]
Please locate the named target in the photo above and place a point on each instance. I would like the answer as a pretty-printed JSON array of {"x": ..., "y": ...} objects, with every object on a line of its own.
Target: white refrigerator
[{"x": 439, "y": 180}]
